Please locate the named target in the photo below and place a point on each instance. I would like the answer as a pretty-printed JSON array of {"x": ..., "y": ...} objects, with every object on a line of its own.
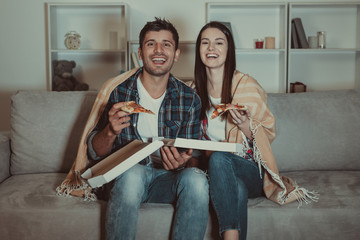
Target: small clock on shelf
[{"x": 72, "y": 40}]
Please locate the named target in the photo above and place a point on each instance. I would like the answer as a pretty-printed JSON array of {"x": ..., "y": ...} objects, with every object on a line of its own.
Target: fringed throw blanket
[
  {"x": 246, "y": 91},
  {"x": 73, "y": 183}
]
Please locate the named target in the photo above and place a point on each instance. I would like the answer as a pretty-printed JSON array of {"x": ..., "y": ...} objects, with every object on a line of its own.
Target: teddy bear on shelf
[{"x": 63, "y": 79}]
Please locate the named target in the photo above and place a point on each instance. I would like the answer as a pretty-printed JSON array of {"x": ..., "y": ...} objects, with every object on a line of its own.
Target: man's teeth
[{"x": 159, "y": 59}]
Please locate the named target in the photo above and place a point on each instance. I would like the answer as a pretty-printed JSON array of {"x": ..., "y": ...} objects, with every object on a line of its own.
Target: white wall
[{"x": 22, "y": 38}]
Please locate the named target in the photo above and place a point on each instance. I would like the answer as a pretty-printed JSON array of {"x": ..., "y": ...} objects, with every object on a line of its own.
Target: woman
[{"x": 252, "y": 172}]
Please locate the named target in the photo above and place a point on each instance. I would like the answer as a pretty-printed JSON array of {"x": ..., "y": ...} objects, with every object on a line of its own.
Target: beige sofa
[{"x": 317, "y": 144}]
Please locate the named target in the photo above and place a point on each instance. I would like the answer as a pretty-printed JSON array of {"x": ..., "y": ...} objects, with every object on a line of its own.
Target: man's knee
[
  {"x": 130, "y": 185},
  {"x": 194, "y": 182}
]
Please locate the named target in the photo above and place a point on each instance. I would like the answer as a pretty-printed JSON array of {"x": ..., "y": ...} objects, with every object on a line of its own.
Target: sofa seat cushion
[
  {"x": 334, "y": 216},
  {"x": 30, "y": 201}
]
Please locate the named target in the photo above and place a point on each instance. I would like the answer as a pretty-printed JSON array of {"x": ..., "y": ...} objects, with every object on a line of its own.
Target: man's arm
[{"x": 118, "y": 120}]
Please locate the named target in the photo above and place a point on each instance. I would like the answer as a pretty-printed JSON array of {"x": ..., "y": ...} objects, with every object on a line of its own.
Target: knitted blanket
[
  {"x": 73, "y": 183},
  {"x": 280, "y": 189}
]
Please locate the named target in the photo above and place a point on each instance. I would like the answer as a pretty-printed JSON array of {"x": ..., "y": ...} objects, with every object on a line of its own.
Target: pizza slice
[
  {"x": 132, "y": 107},
  {"x": 223, "y": 107}
]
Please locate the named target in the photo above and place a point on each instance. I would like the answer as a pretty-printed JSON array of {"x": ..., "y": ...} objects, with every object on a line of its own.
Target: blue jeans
[
  {"x": 188, "y": 189},
  {"x": 232, "y": 181}
]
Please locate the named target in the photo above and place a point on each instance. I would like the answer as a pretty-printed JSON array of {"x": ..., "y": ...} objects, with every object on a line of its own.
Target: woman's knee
[{"x": 219, "y": 161}]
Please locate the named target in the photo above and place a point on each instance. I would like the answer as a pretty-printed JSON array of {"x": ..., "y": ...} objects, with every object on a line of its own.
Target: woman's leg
[{"x": 232, "y": 181}]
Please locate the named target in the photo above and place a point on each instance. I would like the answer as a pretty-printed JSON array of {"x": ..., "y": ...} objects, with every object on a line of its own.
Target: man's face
[{"x": 158, "y": 52}]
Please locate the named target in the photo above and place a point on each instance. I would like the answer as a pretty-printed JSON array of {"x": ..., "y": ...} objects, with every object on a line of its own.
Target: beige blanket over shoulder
[
  {"x": 247, "y": 91},
  {"x": 73, "y": 183}
]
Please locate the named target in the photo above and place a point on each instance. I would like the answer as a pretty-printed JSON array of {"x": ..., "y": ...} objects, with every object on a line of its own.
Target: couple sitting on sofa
[{"x": 168, "y": 176}]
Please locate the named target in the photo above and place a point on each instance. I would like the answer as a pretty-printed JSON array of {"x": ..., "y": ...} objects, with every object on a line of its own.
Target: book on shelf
[
  {"x": 294, "y": 37},
  {"x": 121, "y": 160},
  {"x": 228, "y": 25},
  {"x": 135, "y": 59},
  {"x": 300, "y": 32}
]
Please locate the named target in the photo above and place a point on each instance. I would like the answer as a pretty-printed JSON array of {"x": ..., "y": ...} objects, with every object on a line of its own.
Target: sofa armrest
[{"x": 4, "y": 155}]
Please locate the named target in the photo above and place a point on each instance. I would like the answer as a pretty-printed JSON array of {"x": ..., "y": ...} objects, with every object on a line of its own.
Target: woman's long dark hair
[{"x": 200, "y": 71}]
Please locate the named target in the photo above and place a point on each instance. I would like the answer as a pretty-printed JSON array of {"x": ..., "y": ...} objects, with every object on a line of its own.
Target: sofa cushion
[
  {"x": 30, "y": 200},
  {"x": 5, "y": 155},
  {"x": 317, "y": 130},
  {"x": 46, "y": 128}
]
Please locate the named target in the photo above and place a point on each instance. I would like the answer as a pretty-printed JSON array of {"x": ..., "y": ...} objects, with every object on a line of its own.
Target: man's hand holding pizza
[{"x": 118, "y": 120}]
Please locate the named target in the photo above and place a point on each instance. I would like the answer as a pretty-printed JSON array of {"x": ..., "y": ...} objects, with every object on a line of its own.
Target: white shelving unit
[
  {"x": 338, "y": 65},
  {"x": 182, "y": 69},
  {"x": 96, "y": 60},
  {"x": 250, "y": 21}
]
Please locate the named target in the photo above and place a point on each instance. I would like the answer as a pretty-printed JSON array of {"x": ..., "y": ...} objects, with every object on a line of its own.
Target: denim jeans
[
  {"x": 233, "y": 180},
  {"x": 187, "y": 189}
]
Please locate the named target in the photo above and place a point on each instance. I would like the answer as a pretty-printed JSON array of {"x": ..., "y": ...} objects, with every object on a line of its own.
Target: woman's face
[{"x": 213, "y": 48}]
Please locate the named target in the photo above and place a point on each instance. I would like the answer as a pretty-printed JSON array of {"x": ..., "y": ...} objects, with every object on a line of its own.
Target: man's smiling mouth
[{"x": 159, "y": 60}]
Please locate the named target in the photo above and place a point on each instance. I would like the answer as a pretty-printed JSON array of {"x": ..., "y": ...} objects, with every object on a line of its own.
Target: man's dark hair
[{"x": 158, "y": 25}]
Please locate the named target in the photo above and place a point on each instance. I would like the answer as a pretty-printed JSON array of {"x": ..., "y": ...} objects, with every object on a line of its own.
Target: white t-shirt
[
  {"x": 216, "y": 126},
  {"x": 147, "y": 124}
]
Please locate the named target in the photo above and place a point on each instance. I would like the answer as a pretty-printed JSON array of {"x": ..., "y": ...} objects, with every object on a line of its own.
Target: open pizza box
[{"x": 118, "y": 162}]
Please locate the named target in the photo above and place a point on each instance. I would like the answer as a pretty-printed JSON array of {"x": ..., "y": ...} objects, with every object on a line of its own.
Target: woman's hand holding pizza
[{"x": 239, "y": 117}]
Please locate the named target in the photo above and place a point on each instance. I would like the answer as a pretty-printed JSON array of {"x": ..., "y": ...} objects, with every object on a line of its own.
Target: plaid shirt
[{"x": 179, "y": 113}]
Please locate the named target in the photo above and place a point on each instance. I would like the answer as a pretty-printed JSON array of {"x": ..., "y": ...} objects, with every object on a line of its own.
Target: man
[{"x": 161, "y": 178}]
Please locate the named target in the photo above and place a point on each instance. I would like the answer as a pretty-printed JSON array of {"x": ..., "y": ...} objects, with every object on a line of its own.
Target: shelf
[
  {"x": 95, "y": 51},
  {"x": 250, "y": 21},
  {"x": 337, "y": 65},
  {"x": 340, "y": 21},
  {"x": 267, "y": 19},
  {"x": 259, "y": 51},
  {"x": 103, "y": 28},
  {"x": 324, "y": 50}
]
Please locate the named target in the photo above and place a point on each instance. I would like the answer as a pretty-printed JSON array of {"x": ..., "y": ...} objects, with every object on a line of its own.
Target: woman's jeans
[
  {"x": 188, "y": 189},
  {"x": 233, "y": 180}
]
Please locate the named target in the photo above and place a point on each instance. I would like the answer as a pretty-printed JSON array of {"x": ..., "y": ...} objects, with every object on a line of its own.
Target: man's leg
[
  {"x": 128, "y": 192},
  {"x": 188, "y": 189}
]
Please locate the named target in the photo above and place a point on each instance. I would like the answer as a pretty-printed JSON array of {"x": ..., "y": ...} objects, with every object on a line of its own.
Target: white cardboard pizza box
[
  {"x": 115, "y": 164},
  {"x": 203, "y": 144}
]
